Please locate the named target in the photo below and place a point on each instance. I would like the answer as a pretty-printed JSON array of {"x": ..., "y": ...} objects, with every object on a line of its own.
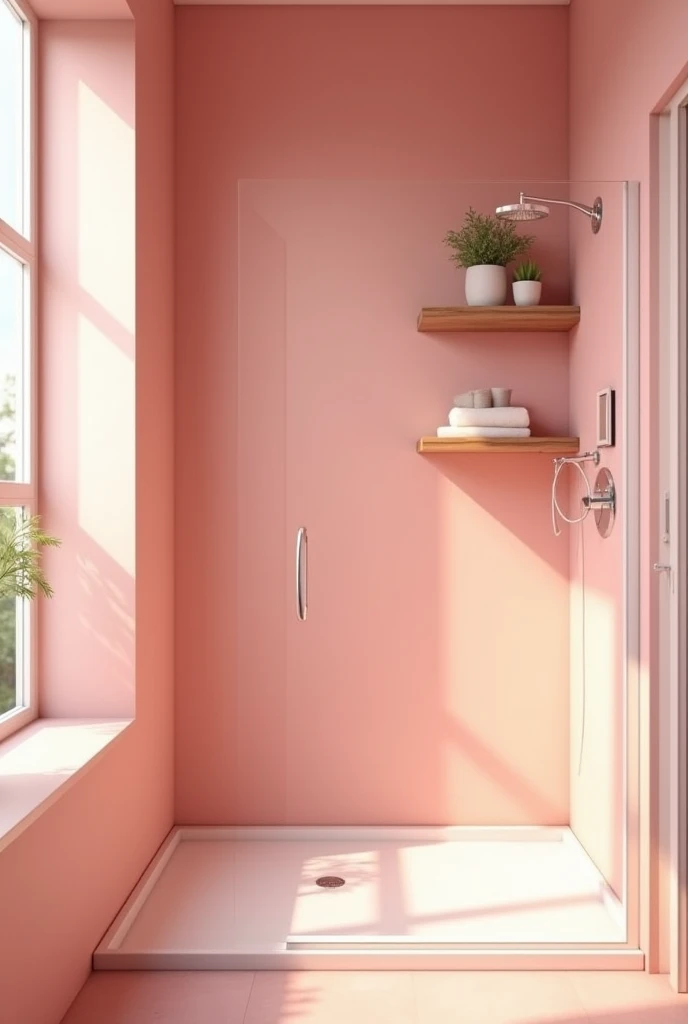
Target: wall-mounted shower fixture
[
  {"x": 602, "y": 502},
  {"x": 532, "y": 208}
]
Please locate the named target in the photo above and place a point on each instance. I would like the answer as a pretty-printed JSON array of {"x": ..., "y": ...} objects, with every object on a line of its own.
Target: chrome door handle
[
  {"x": 660, "y": 567},
  {"x": 302, "y": 574}
]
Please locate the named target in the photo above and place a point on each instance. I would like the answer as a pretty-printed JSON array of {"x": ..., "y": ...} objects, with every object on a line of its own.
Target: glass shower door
[
  {"x": 362, "y": 703},
  {"x": 397, "y": 710}
]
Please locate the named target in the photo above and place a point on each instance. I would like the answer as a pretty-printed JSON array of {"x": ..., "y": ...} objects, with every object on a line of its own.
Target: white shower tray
[{"x": 413, "y": 898}]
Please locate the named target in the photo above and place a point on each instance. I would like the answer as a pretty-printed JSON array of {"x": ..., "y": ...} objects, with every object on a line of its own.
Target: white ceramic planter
[
  {"x": 486, "y": 286},
  {"x": 527, "y": 293}
]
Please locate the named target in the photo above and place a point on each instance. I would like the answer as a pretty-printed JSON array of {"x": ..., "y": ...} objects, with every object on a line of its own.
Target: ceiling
[
  {"x": 98, "y": 10},
  {"x": 118, "y": 8},
  {"x": 429, "y": 3}
]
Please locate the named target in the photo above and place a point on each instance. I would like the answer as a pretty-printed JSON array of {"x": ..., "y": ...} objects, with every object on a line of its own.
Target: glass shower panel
[
  {"x": 439, "y": 676},
  {"x": 382, "y": 676},
  {"x": 598, "y": 603},
  {"x": 391, "y": 703}
]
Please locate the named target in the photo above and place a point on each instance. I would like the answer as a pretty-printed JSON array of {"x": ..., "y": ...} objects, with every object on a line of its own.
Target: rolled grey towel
[
  {"x": 464, "y": 401},
  {"x": 482, "y": 399}
]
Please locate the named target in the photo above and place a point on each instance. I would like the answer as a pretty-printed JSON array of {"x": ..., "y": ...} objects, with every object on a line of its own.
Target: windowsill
[{"x": 40, "y": 762}]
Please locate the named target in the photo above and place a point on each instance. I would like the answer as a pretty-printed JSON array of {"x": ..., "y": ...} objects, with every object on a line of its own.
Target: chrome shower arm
[{"x": 559, "y": 202}]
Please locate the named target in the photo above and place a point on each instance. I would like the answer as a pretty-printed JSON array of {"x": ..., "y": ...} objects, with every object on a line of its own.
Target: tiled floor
[{"x": 376, "y": 998}]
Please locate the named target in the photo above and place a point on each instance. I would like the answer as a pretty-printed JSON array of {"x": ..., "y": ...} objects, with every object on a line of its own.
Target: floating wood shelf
[
  {"x": 498, "y": 318},
  {"x": 498, "y": 445}
]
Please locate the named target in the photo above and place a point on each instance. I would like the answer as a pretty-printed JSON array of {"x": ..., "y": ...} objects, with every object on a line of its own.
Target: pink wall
[
  {"x": 393, "y": 703},
  {"x": 88, "y": 349},
  {"x": 614, "y": 90},
  {"x": 62, "y": 880}
]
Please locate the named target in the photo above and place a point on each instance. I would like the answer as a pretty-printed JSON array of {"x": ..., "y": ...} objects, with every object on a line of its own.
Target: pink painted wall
[
  {"x": 88, "y": 284},
  {"x": 614, "y": 91},
  {"x": 302, "y": 386},
  {"x": 64, "y": 878}
]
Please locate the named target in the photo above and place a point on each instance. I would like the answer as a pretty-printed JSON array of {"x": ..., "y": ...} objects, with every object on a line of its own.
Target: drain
[{"x": 329, "y": 882}]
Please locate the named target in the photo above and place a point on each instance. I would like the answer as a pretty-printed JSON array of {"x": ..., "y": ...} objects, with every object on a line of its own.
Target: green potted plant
[
  {"x": 527, "y": 284},
  {"x": 484, "y": 245},
  {"x": 21, "y": 541}
]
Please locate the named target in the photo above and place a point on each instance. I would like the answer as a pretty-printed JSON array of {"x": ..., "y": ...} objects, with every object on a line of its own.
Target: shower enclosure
[{"x": 431, "y": 758}]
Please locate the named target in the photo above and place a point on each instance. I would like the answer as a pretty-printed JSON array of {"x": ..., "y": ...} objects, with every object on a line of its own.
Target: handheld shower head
[{"x": 532, "y": 208}]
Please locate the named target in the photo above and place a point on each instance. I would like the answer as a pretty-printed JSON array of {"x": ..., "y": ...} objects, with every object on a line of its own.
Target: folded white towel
[
  {"x": 510, "y": 416},
  {"x": 483, "y": 432}
]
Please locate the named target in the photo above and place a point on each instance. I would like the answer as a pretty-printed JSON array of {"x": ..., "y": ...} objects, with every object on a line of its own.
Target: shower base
[{"x": 412, "y": 898}]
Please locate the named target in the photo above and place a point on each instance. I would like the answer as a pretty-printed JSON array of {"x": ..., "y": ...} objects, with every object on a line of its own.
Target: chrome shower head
[
  {"x": 523, "y": 211},
  {"x": 533, "y": 208}
]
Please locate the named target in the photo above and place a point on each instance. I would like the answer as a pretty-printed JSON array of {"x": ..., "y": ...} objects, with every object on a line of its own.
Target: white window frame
[{"x": 23, "y": 246}]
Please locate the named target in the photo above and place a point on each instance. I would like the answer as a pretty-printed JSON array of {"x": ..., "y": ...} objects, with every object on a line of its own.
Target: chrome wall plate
[{"x": 603, "y": 502}]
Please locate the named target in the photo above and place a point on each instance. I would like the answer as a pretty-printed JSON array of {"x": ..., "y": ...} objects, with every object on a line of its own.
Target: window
[{"x": 17, "y": 338}]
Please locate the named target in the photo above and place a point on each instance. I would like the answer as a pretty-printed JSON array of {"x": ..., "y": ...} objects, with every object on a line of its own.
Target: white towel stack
[{"x": 497, "y": 422}]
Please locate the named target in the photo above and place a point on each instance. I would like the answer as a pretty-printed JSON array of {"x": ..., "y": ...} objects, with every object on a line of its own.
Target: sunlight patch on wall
[
  {"x": 106, "y": 445},
  {"x": 503, "y": 650},
  {"x": 106, "y": 197},
  {"x": 503, "y": 604}
]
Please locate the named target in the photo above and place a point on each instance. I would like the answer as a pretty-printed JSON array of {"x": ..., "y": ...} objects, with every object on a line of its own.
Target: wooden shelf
[
  {"x": 498, "y": 445},
  {"x": 498, "y": 318}
]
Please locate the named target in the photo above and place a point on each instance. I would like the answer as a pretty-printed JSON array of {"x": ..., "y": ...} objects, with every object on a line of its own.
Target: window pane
[
  {"x": 9, "y": 688},
  {"x": 12, "y": 320},
  {"x": 11, "y": 117},
  {"x": 13, "y": 693}
]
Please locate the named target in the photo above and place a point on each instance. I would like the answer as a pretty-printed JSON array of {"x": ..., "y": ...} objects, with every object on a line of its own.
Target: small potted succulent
[
  {"x": 484, "y": 246},
  {"x": 527, "y": 284}
]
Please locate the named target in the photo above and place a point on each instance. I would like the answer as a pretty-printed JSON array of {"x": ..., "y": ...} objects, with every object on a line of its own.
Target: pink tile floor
[{"x": 349, "y": 997}]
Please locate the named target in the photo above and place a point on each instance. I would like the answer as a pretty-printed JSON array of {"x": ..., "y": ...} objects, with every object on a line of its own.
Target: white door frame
[{"x": 671, "y": 542}]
